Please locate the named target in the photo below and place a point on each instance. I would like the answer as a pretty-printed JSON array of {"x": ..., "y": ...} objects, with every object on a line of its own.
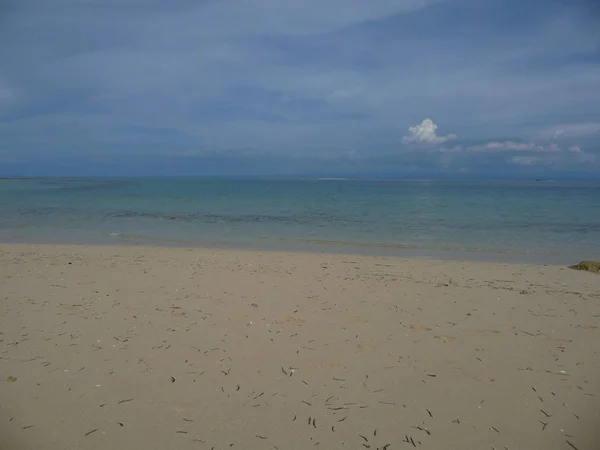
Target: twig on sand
[{"x": 409, "y": 440}]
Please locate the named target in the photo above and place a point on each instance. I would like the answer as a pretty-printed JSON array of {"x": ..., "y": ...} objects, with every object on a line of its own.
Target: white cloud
[
  {"x": 511, "y": 146},
  {"x": 573, "y": 155},
  {"x": 522, "y": 153},
  {"x": 495, "y": 146},
  {"x": 548, "y": 148},
  {"x": 426, "y": 132}
]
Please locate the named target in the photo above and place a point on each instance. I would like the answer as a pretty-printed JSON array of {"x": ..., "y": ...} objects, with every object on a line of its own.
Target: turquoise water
[{"x": 497, "y": 220}]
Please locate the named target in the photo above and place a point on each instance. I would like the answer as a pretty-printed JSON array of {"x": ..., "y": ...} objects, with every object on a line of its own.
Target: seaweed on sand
[{"x": 588, "y": 266}]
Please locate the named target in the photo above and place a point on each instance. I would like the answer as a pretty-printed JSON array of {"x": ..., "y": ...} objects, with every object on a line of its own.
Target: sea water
[{"x": 515, "y": 221}]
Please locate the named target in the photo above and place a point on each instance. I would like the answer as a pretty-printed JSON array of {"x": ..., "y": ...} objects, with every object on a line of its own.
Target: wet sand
[{"x": 164, "y": 348}]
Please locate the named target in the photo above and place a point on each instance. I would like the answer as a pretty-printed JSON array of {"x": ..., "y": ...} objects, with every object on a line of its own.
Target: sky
[{"x": 268, "y": 87}]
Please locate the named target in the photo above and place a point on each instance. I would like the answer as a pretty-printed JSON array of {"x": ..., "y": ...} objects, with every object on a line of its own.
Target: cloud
[
  {"x": 571, "y": 130},
  {"x": 495, "y": 146},
  {"x": 217, "y": 18},
  {"x": 573, "y": 156},
  {"x": 581, "y": 129},
  {"x": 548, "y": 155},
  {"x": 526, "y": 160},
  {"x": 582, "y": 157},
  {"x": 511, "y": 146},
  {"x": 426, "y": 132},
  {"x": 148, "y": 78}
]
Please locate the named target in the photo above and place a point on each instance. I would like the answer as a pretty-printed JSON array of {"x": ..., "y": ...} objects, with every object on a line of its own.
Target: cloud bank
[{"x": 172, "y": 84}]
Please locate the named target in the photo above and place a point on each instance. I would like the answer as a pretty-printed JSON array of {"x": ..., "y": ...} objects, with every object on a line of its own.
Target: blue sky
[{"x": 412, "y": 87}]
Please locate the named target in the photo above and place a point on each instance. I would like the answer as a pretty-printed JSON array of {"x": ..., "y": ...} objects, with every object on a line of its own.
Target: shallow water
[{"x": 516, "y": 221}]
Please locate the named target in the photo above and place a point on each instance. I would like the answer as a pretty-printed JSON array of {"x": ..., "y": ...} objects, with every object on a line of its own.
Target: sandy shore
[{"x": 156, "y": 348}]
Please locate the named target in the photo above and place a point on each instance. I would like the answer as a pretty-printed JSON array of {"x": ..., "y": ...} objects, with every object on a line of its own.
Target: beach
[{"x": 173, "y": 348}]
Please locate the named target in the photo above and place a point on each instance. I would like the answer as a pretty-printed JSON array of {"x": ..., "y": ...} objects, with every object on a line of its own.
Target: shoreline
[{"x": 314, "y": 247}]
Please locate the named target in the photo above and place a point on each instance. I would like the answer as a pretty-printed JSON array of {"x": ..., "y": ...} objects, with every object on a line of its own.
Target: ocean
[{"x": 505, "y": 221}]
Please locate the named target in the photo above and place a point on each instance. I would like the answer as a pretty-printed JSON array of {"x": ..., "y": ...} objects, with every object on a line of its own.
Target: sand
[{"x": 161, "y": 348}]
